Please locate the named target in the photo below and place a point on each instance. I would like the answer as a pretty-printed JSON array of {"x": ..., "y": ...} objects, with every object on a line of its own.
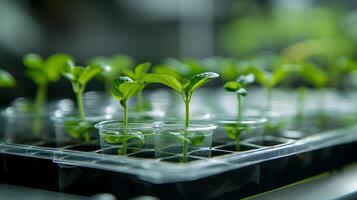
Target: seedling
[
  {"x": 138, "y": 75},
  {"x": 79, "y": 77},
  {"x": 123, "y": 89},
  {"x": 339, "y": 69},
  {"x": 268, "y": 80},
  {"x": 112, "y": 67},
  {"x": 185, "y": 87},
  {"x": 318, "y": 79},
  {"x": 238, "y": 87},
  {"x": 6, "y": 80},
  {"x": 42, "y": 73}
]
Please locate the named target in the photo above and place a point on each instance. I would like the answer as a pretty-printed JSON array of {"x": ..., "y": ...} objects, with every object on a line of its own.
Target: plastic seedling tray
[{"x": 262, "y": 164}]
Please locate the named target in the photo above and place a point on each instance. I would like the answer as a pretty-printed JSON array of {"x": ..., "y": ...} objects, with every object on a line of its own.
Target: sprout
[
  {"x": 268, "y": 79},
  {"x": 185, "y": 87},
  {"x": 138, "y": 75},
  {"x": 234, "y": 130},
  {"x": 79, "y": 77},
  {"x": 315, "y": 76},
  {"x": 112, "y": 67},
  {"x": 42, "y": 73},
  {"x": 238, "y": 87},
  {"x": 122, "y": 90}
]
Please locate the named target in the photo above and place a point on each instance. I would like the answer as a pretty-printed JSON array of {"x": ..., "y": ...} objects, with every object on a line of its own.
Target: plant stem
[
  {"x": 321, "y": 115},
  {"x": 239, "y": 113},
  {"x": 269, "y": 99},
  {"x": 187, "y": 125},
  {"x": 39, "y": 103},
  {"x": 237, "y": 140},
  {"x": 300, "y": 106},
  {"x": 187, "y": 114},
  {"x": 125, "y": 115},
  {"x": 80, "y": 105},
  {"x": 40, "y": 98},
  {"x": 123, "y": 149},
  {"x": 82, "y": 114}
]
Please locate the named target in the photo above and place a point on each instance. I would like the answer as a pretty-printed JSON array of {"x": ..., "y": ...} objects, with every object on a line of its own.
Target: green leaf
[
  {"x": 72, "y": 73},
  {"x": 278, "y": 75},
  {"x": 200, "y": 79},
  {"x": 54, "y": 65},
  {"x": 77, "y": 127},
  {"x": 37, "y": 76},
  {"x": 80, "y": 76},
  {"x": 234, "y": 131},
  {"x": 314, "y": 75},
  {"x": 142, "y": 69},
  {"x": 165, "y": 79},
  {"x": 112, "y": 67},
  {"x": 179, "y": 135},
  {"x": 89, "y": 73},
  {"x": 261, "y": 76},
  {"x": 196, "y": 139},
  {"x": 124, "y": 87},
  {"x": 232, "y": 86},
  {"x": 115, "y": 137},
  {"x": 129, "y": 74},
  {"x": 139, "y": 72},
  {"x": 33, "y": 61},
  {"x": 164, "y": 69},
  {"x": 6, "y": 80},
  {"x": 120, "y": 62}
]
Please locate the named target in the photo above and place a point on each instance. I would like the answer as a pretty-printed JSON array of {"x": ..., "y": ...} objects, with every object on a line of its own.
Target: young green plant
[
  {"x": 138, "y": 74},
  {"x": 239, "y": 87},
  {"x": 79, "y": 77},
  {"x": 185, "y": 87},
  {"x": 43, "y": 72},
  {"x": 123, "y": 89},
  {"x": 316, "y": 77},
  {"x": 268, "y": 80},
  {"x": 112, "y": 67}
]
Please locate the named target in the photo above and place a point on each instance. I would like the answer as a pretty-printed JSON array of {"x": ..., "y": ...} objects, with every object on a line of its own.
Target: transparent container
[
  {"x": 234, "y": 131},
  {"x": 70, "y": 129},
  {"x": 24, "y": 125},
  {"x": 277, "y": 121},
  {"x": 175, "y": 139},
  {"x": 27, "y": 127},
  {"x": 132, "y": 138}
]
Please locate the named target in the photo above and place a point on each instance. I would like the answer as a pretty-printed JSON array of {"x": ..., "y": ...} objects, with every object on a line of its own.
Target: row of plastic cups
[
  {"x": 165, "y": 138},
  {"x": 173, "y": 138}
]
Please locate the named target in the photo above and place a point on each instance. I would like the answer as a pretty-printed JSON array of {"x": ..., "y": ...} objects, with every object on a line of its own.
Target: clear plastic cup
[
  {"x": 133, "y": 137},
  {"x": 26, "y": 126},
  {"x": 233, "y": 131},
  {"x": 70, "y": 129},
  {"x": 175, "y": 139}
]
